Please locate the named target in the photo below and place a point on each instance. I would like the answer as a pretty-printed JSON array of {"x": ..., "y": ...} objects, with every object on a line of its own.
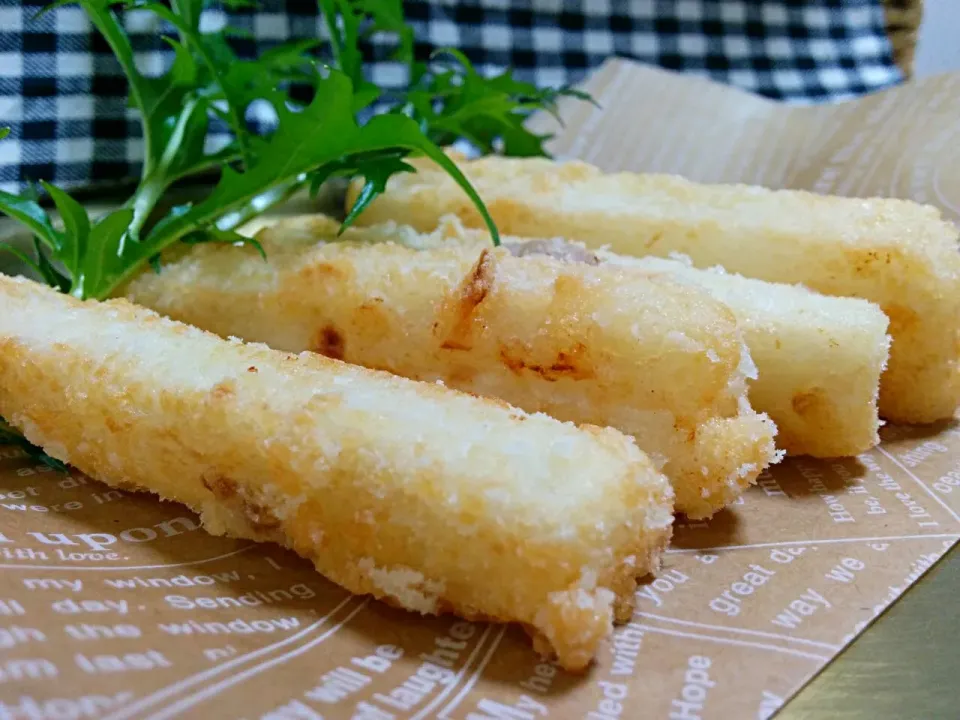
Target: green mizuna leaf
[
  {"x": 224, "y": 237},
  {"x": 206, "y": 81},
  {"x": 455, "y": 102},
  {"x": 23, "y": 257},
  {"x": 324, "y": 139},
  {"x": 375, "y": 171},
  {"x": 76, "y": 225},
  {"x": 30, "y": 214}
]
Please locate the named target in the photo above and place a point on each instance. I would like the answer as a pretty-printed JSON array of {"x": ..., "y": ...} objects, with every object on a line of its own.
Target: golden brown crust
[
  {"x": 602, "y": 345},
  {"x": 407, "y": 491},
  {"x": 898, "y": 254}
]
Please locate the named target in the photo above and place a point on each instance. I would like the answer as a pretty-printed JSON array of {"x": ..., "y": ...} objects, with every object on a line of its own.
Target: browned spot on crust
[
  {"x": 868, "y": 262},
  {"x": 227, "y": 491},
  {"x": 685, "y": 425},
  {"x": 570, "y": 364},
  {"x": 114, "y": 426},
  {"x": 223, "y": 488},
  {"x": 490, "y": 400},
  {"x": 513, "y": 364},
  {"x": 260, "y": 517},
  {"x": 460, "y": 375},
  {"x": 810, "y": 402},
  {"x": 474, "y": 289},
  {"x": 252, "y": 369},
  {"x": 222, "y": 389},
  {"x": 322, "y": 271},
  {"x": 330, "y": 342},
  {"x": 496, "y": 402}
]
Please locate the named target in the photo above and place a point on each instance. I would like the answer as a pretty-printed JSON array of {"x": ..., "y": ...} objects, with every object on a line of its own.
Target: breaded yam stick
[
  {"x": 432, "y": 499},
  {"x": 819, "y": 358},
  {"x": 600, "y": 345},
  {"x": 899, "y": 254}
]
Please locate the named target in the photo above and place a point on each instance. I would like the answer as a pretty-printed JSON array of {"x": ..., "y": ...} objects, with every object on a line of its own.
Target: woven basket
[{"x": 903, "y": 24}]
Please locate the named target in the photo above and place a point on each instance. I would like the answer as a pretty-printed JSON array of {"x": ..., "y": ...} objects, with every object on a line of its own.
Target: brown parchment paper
[{"x": 114, "y": 605}]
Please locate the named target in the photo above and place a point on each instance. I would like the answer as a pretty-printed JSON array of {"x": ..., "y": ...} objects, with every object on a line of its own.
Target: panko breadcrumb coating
[
  {"x": 431, "y": 499},
  {"x": 608, "y": 346},
  {"x": 898, "y": 254},
  {"x": 819, "y": 358}
]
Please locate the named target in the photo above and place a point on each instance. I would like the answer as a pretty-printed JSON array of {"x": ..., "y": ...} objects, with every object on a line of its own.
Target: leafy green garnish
[
  {"x": 455, "y": 102},
  {"x": 307, "y": 144},
  {"x": 90, "y": 258}
]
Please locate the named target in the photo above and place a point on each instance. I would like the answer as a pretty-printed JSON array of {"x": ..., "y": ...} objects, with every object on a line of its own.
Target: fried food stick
[
  {"x": 899, "y": 254},
  {"x": 606, "y": 346},
  {"x": 819, "y": 358},
  {"x": 431, "y": 499}
]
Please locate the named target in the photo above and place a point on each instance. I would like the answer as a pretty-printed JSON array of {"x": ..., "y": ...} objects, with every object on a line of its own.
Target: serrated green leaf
[
  {"x": 224, "y": 237},
  {"x": 455, "y": 102},
  {"x": 143, "y": 94},
  {"x": 288, "y": 55},
  {"x": 29, "y": 213},
  {"x": 344, "y": 38},
  {"x": 51, "y": 276},
  {"x": 76, "y": 226},
  {"x": 375, "y": 171},
  {"x": 105, "y": 261},
  {"x": 4, "y": 131},
  {"x": 189, "y": 10},
  {"x": 259, "y": 204},
  {"x": 6, "y": 247},
  {"x": 387, "y": 16},
  {"x": 184, "y": 70},
  {"x": 201, "y": 45},
  {"x": 325, "y": 133},
  {"x": 311, "y": 143}
]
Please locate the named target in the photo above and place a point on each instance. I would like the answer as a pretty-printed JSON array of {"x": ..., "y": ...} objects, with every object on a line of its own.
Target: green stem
[
  {"x": 261, "y": 204},
  {"x": 149, "y": 192},
  {"x": 142, "y": 202},
  {"x": 328, "y": 8},
  {"x": 113, "y": 32}
]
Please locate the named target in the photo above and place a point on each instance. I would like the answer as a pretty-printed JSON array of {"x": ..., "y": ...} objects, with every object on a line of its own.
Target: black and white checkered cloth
[{"x": 64, "y": 97}]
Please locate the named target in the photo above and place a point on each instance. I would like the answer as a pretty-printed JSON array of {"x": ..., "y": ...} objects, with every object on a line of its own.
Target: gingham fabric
[{"x": 64, "y": 97}]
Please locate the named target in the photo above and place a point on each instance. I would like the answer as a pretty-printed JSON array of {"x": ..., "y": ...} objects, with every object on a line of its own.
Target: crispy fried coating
[
  {"x": 608, "y": 346},
  {"x": 819, "y": 358},
  {"x": 899, "y": 254},
  {"x": 432, "y": 499}
]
